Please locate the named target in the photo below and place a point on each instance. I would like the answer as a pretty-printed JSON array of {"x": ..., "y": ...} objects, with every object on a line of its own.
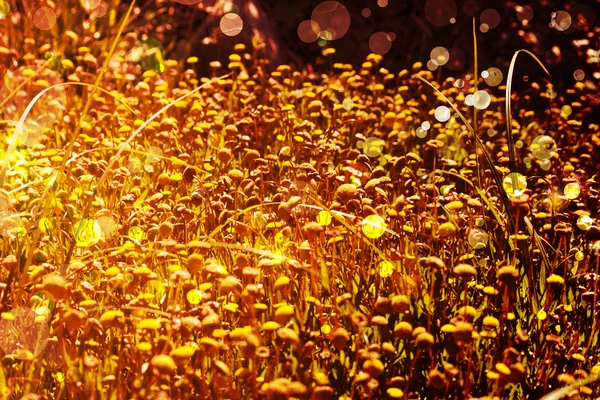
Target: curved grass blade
[{"x": 511, "y": 147}]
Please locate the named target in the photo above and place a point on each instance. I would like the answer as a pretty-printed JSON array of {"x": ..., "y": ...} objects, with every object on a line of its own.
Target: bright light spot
[
  {"x": 347, "y": 104},
  {"x": 373, "y": 226},
  {"x": 543, "y": 147},
  {"x": 514, "y": 184},
  {"x": 386, "y": 268},
  {"x": 481, "y": 99},
  {"x": 440, "y": 54},
  {"x": 231, "y": 24},
  {"x": 494, "y": 76},
  {"x": 194, "y": 296},
  {"x": 442, "y": 113},
  {"x": 572, "y": 190},
  {"x": 373, "y": 147},
  {"x": 324, "y": 218}
]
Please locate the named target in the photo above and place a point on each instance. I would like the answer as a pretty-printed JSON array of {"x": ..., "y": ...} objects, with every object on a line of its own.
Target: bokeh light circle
[
  {"x": 545, "y": 164},
  {"x": 99, "y": 11},
  {"x": 457, "y": 59},
  {"x": 308, "y": 31},
  {"x": 53, "y": 357},
  {"x": 440, "y": 54},
  {"x": 494, "y": 76},
  {"x": 478, "y": 238},
  {"x": 470, "y": 8},
  {"x": 231, "y": 24},
  {"x": 105, "y": 227},
  {"x": 373, "y": 147},
  {"x": 380, "y": 43},
  {"x": 439, "y": 12},
  {"x": 524, "y": 13},
  {"x": 366, "y": 12},
  {"x": 572, "y": 190},
  {"x": 373, "y": 226},
  {"x": 543, "y": 147},
  {"x": 579, "y": 75},
  {"x": 490, "y": 17},
  {"x": 149, "y": 53},
  {"x": 27, "y": 82},
  {"x": 347, "y": 104},
  {"x": 23, "y": 333},
  {"x": 332, "y": 17},
  {"x": 44, "y": 18},
  {"x": 4, "y": 9},
  {"x": 469, "y": 100},
  {"x": 89, "y": 5},
  {"x": 561, "y": 20},
  {"x": 583, "y": 17},
  {"x": 481, "y": 99},
  {"x": 386, "y": 268},
  {"x": 514, "y": 184},
  {"x": 442, "y": 113}
]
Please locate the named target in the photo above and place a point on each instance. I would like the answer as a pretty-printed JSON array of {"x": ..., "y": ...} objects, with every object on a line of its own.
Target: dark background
[{"x": 196, "y": 31}]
